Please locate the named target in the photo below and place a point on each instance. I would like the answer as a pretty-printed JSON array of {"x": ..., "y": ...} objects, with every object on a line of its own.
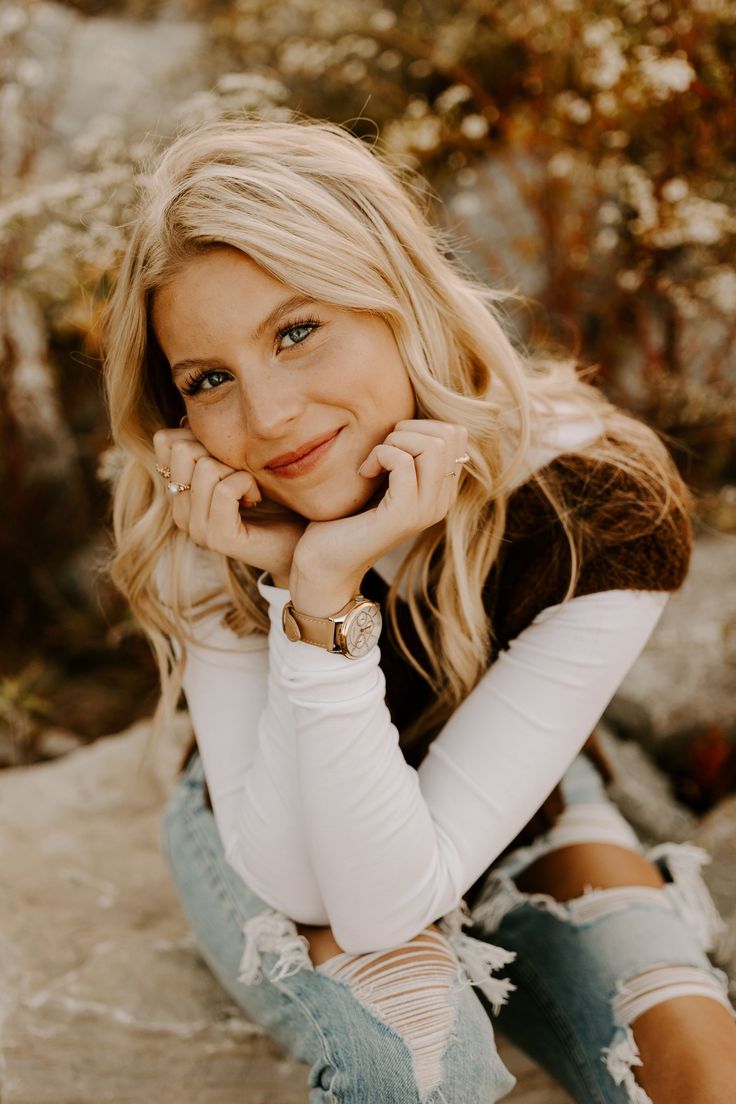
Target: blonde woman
[{"x": 399, "y": 570}]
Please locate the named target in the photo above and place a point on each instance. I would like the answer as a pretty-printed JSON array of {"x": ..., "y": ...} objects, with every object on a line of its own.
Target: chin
[{"x": 337, "y": 506}]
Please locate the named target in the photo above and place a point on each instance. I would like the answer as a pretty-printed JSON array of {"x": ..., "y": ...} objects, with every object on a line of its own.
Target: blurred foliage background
[{"x": 581, "y": 152}]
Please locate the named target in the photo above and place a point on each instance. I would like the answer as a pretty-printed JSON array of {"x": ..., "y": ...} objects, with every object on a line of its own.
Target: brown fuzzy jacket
[{"x": 623, "y": 545}]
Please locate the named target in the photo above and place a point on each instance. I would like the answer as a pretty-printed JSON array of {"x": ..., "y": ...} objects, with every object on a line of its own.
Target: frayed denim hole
[
  {"x": 637, "y": 995},
  {"x": 407, "y": 993}
]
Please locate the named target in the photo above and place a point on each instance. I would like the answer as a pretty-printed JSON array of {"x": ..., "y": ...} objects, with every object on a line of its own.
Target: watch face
[{"x": 361, "y": 629}]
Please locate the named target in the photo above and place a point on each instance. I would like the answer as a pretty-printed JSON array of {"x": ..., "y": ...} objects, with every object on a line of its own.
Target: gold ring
[
  {"x": 165, "y": 472},
  {"x": 177, "y": 488},
  {"x": 452, "y": 473},
  {"x": 462, "y": 459}
]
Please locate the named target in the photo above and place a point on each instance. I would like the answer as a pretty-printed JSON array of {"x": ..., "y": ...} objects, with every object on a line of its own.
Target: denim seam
[
  {"x": 560, "y": 1024},
  {"x": 379, "y": 1019}
]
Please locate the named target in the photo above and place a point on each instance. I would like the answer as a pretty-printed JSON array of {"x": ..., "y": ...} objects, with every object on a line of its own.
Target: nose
[{"x": 271, "y": 408}]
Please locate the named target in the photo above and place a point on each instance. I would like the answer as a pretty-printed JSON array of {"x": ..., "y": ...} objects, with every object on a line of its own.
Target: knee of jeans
[
  {"x": 423, "y": 1027},
  {"x": 669, "y": 930},
  {"x": 684, "y": 891},
  {"x": 416, "y": 995}
]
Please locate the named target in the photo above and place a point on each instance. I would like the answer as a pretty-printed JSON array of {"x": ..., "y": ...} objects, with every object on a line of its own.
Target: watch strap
[{"x": 316, "y": 630}]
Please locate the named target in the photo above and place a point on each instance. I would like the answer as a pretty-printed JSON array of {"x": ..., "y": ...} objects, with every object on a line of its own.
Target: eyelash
[
  {"x": 194, "y": 384},
  {"x": 313, "y": 322}
]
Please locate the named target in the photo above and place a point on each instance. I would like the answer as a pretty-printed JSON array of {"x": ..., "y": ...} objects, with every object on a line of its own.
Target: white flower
[
  {"x": 561, "y": 164},
  {"x": 402, "y": 136},
  {"x": 382, "y": 20},
  {"x": 606, "y": 61},
  {"x": 704, "y": 221},
  {"x": 427, "y": 133},
  {"x": 417, "y": 108},
  {"x": 720, "y": 288},
  {"x": 609, "y": 213},
  {"x": 629, "y": 280},
  {"x": 252, "y": 82},
  {"x": 606, "y": 241},
  {"x": 452, "y": 97},
  {"x": 389, "y": 59},
  {"x": 366, "y": 47},
  {"x": 606, "y": 103},
  {"x": 696, "y": 221},
  {"x": 572, "y": 106},
  {"x": 675, "y": 189},
  {"x": 354, "y": 71},
  {"x": 579, "y": 111},
  {"x": 420, "y": 68},
  {"x": 474, "y": 127},
  {"x": 599, "y": 34},
  {"x": 616, "y": 139},
  {"x": 639, "y": 192},
  {"x": 664, "y": 76}
]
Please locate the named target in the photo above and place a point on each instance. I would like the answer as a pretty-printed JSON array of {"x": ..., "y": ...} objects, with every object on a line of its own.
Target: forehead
[
  {"x": 208, "y": 274},
  {"x": 219, "y": 294}
]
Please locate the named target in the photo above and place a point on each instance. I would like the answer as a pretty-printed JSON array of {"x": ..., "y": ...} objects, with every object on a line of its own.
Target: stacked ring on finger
[
  {"x": 459, "y": 460},
  {"x": 164, "y": 471},
  {"x": 177, "y": 488}
]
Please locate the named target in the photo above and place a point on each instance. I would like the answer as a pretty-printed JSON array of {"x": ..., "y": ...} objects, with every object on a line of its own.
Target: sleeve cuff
[{"x": 297, "y": 655}]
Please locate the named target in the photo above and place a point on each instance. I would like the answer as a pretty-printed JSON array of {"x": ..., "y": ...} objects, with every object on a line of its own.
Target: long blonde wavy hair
[{"x": 322, "y": 212}]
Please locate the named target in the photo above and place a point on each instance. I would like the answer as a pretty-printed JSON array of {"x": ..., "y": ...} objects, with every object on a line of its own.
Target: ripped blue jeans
[{"x": 415, "y": 1025}]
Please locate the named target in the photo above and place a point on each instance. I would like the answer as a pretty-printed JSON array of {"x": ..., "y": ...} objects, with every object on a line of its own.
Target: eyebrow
[{"x": 290, "y": 304}]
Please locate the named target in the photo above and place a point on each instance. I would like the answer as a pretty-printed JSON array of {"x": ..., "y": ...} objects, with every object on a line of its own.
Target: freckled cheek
[{"x": 222, "y": 438}]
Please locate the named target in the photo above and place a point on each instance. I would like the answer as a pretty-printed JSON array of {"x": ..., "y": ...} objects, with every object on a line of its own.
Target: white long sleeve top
[{"x": 316, "y": 806}]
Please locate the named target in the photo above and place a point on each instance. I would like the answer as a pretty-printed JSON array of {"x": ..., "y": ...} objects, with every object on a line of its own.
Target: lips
[{"x": 287, "y": 458}]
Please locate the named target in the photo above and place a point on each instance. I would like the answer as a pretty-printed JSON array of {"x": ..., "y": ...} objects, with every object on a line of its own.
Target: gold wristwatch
[{"x": 353, "y": 630}]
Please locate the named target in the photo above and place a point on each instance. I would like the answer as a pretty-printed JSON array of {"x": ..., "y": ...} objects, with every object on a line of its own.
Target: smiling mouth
[{"x": 307, "y": 460}]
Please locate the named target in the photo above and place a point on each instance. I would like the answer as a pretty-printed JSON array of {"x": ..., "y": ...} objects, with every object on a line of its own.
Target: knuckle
[
  {"x": 221, "y": 490},
  {"x": 208, "y": 465},
  {"x": 179, "y": 450}
]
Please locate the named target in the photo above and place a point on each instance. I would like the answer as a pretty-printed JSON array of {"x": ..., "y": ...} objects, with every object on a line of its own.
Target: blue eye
[
  {"x": 205, "y": 381},
  {"x": 297, "y": 332}
]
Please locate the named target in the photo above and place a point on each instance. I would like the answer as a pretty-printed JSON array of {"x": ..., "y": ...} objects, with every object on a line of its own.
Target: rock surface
[
  {"x": 103, "y": 995},
  {"x": 686, "y": 675}
]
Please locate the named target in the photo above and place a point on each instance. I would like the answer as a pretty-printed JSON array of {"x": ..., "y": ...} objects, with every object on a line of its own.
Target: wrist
[
  {"x": 322, "y": 602},
  {"x": 321, "y": 598}
]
